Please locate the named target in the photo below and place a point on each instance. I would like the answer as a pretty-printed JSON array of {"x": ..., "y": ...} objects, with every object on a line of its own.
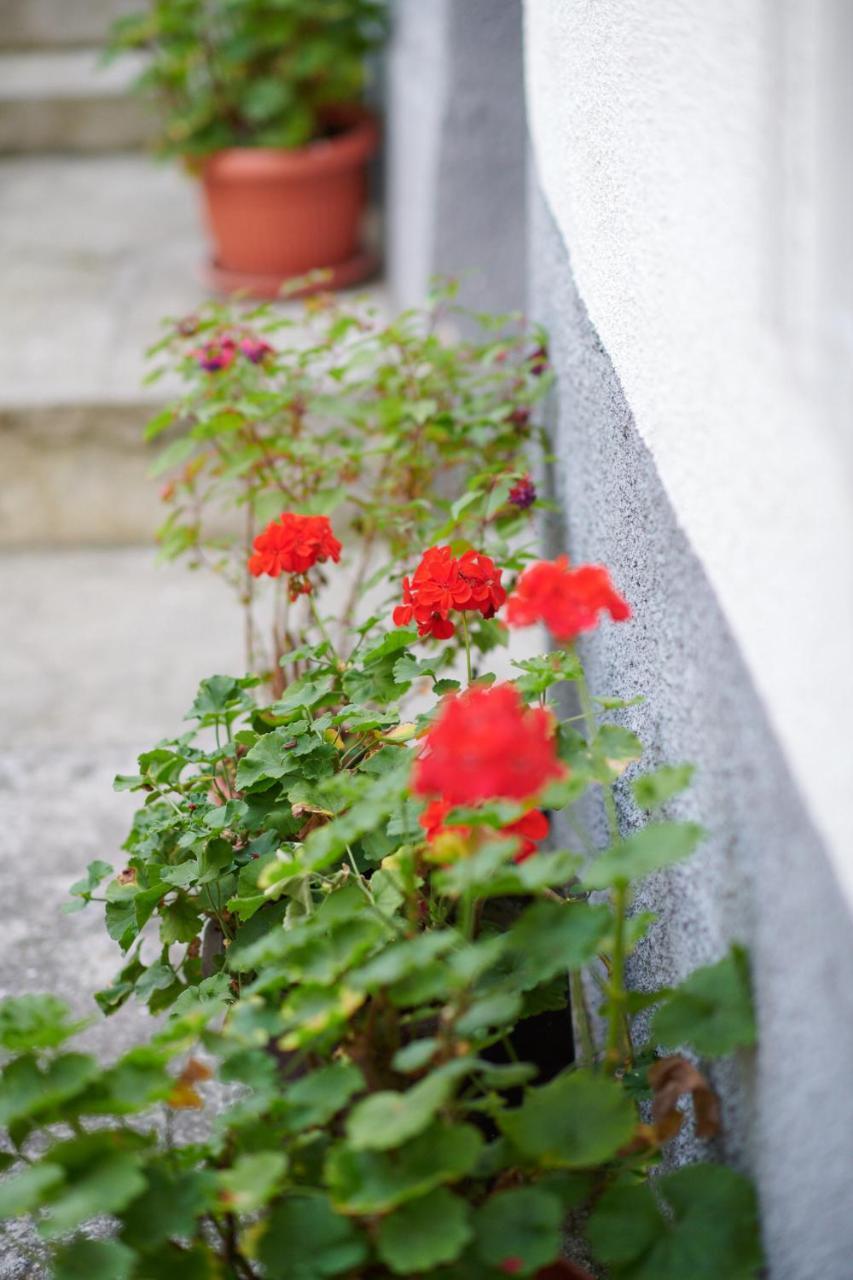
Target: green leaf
[
  {"x": 319, "y": 1096},
  {"x": 415, "y": 1055},
  {"x": 216, "y": 696},
  {"x": 424, "y": 1233},
  {"x": 709, "y": 1228},
  {"x": 94, "y": 1260},
  {"x": 551, "y": 937},
  {"x": 35, "y": 1022},
  {"x": 519, "y": 1229},
  {"x": 29, "y": 1089},
  {"x": 577, "y": 1120},
  {"x": 613, "y": 742},
  {"x": 651, "y": 790},
  {"x": 252, "y": 1181},
  {"x": 656, "y": 846},
  {"x": 402, "y": 959},
  {"x": 712, "y": 1011},
  {"x": 179, "y": 921},
  {"x": 493, "y": 1010},
  {"x": 25, "y": 1191},
  {"x": 104, "y": 1184},
  {"x": 95, "y": 873},
  {"x": 170, "y": 1205},
  {"x": 306, "y": 1240},
  {"x": 387, "y": 1119},
  {"x": 479, "y": 873},
  {"x": 393, "y": 642},
  {"x": 173, "y": 1262},
  {"x": 268, "y": 760},
  {"x": 540, "y": 673},
  {"x": 368, "y": 1182},
  {"x": 173, "y": 455}
]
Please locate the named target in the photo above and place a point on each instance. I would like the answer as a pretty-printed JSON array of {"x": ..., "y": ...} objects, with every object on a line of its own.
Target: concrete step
[
  {"x": 64, "y": 100},
  {"x": 45, "y": 23},
  {"x": 94, "y": 252}
]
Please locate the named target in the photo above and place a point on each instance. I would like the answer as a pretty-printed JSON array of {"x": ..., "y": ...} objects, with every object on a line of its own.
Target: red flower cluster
[
  {"x": 443, "y": 582},
  {"x": 530, "y": 827},
  {"x": 255, "y": 349},
  {"x": 487, "y": 745},
  {"x": 538, "y": 361},
  {"x": 221, "y": 352},
  {"x": 216, "y": 354},
  {"x": 293, "y": 544},
  {"x": 567, "y": 600},
  {"x": 523, "y": 493}
]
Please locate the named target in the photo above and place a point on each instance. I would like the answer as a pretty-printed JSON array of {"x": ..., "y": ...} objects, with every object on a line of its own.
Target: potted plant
[
  {"x": 262, "y": 98},
  {"x": 369, "y": 844}
]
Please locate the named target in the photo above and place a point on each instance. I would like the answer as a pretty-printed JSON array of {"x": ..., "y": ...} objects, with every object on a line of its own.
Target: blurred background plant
[{"x": 242, "y": 73}]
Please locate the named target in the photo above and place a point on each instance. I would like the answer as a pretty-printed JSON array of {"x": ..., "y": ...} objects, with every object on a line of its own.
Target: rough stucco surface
[
  {"x": 457, "y": 151},
  {"x": 762, "y": 876},
  {"x": 691, "y": 155}
]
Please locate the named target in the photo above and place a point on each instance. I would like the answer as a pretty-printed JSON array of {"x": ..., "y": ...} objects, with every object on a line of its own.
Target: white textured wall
[{"x": 694, "y": 156}]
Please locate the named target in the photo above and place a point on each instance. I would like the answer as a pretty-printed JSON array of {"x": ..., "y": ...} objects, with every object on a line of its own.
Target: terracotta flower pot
[{"x": 275, "y": 215}]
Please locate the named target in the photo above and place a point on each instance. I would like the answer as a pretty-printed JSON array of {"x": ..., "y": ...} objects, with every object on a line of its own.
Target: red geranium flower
[
  {"x": 443, "y": 582},
  {"x": 530, "y": 827},
  {"x": 487, "y": 745},
  {"x": 567, "y": 600},
  {"x": 293, "y": 544},
  {"x": 216, "y": 354}
]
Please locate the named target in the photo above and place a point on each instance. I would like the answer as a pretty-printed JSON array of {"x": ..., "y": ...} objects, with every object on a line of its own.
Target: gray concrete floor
[{"x": 102, "y": 651}]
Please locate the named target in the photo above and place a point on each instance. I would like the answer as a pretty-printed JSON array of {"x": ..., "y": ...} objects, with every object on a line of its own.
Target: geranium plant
[
  {"x": 409, "y": 437},
  {"x": 340, "y": 890},
  {"x": 238, "y": 73}
]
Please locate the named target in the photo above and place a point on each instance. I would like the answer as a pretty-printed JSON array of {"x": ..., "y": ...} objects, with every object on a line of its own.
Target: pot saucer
[{"x": 355, "y": 270}]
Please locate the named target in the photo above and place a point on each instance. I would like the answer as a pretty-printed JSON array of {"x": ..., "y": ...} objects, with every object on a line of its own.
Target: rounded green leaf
[
  {"x": 551, "y": 937},
  {"x": 93, "y": 1260},
  {"x": 25, "y": 1191},
  {"x": 388, "y": 1119},
  {"x": 35, "y": 1022},
  {"x": 101, "y": 1176},
  {"x": 658, "y": 845},
  {"x": 709, "y": 1228},
  {"x": 577, "y": 1120},
  {"x": 711, "y": 1011},
  {"x": 252, "y": 1180},
  {"x": 306, "y": 1240},
  {"x": 424, "y": 1233},
  {"x": 519, "y": 1228},
  {"x": 169, "y": 1206},
  {"x": 367, "y": 1182}
]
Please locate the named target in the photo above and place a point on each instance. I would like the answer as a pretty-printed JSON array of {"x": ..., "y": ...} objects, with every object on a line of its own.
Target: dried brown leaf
[{"x": 671, "y": 1079}]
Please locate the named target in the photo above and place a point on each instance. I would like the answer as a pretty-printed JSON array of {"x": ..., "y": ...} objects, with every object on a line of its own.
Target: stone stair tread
[
  {"x": 64, "y": 73},
  {"x": 94, "y": 251},
  {"x": 40, "y": 23},
  {"x": 67, "y": 100}
]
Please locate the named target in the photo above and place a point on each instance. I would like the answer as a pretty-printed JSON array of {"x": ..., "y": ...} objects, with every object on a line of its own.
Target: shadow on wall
[
  {"x": 457, "y": 151},
  {"x": 763, "y": 877}
]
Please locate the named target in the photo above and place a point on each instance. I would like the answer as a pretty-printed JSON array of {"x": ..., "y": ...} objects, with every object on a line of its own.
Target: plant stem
[
  {"x": 467, "y": 640},
  {"x": 249, "y": 595},
  {"x": 315, "y": 614},
  {"x": 618, "y": 1033},
  {"x": 582, "y": 1017}
]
